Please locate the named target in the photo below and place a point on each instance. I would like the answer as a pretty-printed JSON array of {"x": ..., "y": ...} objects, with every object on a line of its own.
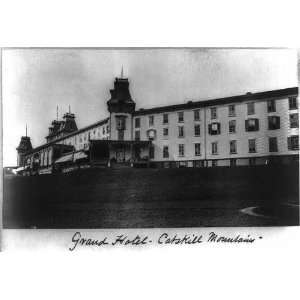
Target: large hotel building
[{"x": 250, "y": 129}]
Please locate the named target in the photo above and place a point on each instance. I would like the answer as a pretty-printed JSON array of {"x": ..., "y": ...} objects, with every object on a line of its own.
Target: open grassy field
[{"x": 136, "y": 198}]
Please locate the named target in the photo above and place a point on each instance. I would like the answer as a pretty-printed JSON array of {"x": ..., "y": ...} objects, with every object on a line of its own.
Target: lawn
[{"x": 146, "y": 198}]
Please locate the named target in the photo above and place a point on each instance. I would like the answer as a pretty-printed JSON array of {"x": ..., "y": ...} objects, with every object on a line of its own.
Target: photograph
[{"x": 98, "y": 138}]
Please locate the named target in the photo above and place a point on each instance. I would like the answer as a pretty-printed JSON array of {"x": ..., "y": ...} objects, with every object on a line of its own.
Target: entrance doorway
[{"x": 120, "y": 155}]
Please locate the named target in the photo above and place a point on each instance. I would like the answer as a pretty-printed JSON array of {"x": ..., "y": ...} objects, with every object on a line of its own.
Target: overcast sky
[{"x": 35, "y": 81}]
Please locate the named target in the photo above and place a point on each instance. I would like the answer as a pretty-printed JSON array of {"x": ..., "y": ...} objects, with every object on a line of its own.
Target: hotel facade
[{"x": 251, "y": 129}]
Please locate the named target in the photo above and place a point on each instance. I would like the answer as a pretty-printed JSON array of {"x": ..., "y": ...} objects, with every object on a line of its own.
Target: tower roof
[
  {"x": 25, "y": 144},
  {"x": 120, "y": 97}
]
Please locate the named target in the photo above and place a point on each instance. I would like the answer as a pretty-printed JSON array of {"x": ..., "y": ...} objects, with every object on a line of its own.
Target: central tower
[{"x": 121, "y": 106}]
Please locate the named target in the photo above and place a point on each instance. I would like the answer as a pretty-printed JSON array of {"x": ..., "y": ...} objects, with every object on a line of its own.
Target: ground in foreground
[{"x": 147, "y": 198}]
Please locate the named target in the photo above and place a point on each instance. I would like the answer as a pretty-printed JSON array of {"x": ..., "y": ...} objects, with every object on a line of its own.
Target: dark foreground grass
[{"x": 136, "y": 198}]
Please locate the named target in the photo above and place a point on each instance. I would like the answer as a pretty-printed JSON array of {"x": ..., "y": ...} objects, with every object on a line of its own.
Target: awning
[
  {"x": 15, "y": 171},
  {"x": 65, "y": 158},
  {"x": 79, "y": 155}
]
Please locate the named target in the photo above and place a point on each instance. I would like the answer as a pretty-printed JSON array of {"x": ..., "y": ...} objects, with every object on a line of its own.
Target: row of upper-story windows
[
  {"x": 215, "y": 128},
  {"x": 293, "y": 144},
  {"x": 252, "y": 124},
  {"x": 271, "y": 107}
]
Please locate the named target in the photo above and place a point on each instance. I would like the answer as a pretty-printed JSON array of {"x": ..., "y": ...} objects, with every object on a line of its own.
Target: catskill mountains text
[{"x": 79, "y": 240}]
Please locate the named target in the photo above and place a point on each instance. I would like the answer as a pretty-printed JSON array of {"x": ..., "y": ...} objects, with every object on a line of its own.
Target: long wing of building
[{"x": 249, "y": 129}]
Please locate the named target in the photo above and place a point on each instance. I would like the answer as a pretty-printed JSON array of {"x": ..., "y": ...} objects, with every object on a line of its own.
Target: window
[
  {"x": 197, "y": 115},
  {"x": 151, "y": 120},
  {"x": 274, "y": 122},
  {"x": 250, "y": 108},
  {"x": 232, "y": 147},
  {"x": 252, "y": 145},
  {"x": 181, "y": 149},
  {"x": 293, "y": 103},
  {"x": 252, "y": 161},
  {"x": 137, "y": 135},
  {"x": 197, "y": 130},
  {"x": 121, "y": 123},
  {"x": 180, "y": 116},
  {"x": 165, "y": 132},
  {"x": 251, "y": 125},
  {"x": 271, "y": 104},
  {"x": 137, "y": 122},
  {"x": 120, "y": 135},
  {"x": 166, "y": 152},
  {"x": 233, "y": 162},
  {"x": 214, "y": 128},
  {"x": 151, "y": 152},
  {"x": 180, "y": 131},
  {"x": 107, "y": 129},
  {"x": 165, "y": 118},
  {"x": 231, "y": 110},
  {"x": 294, "y": 121},
  {"x": 103, "y": 130},
  {"x": 232, "y": 126},
  {"x": 214, "y": 148},
  {"x": 293, "y": 142},
  {"x": 197, "y": 149},
  {"x": 273, "y": 147},
  {"x": 213, "y": 113}
]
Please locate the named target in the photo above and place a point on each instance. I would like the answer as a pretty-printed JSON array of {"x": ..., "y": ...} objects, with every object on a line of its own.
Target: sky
[{"x": 35, "y": 81}]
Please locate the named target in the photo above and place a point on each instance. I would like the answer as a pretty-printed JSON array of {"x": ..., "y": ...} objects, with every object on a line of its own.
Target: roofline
[
  {"x": 68, "y": 135},
  {"x": 292, "y": 91}
]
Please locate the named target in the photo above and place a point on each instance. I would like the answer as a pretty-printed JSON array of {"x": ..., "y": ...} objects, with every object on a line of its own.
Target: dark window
[
  {"x": 252, "y": 145},
  {"x": 274, "y": 122},
  {"x": 252, "y": 161},
  {"x": 271, "y": 104},
  {"x": 293, "y": 142},
  {"x": 197, "y": 115},
  {"x": 151, "y": 151},
  {"x": 251, "y": 125},
  {"x": 214, "y": 128},
  {"x": 165, "y": 118},
  {"x": 121, "y": 123},
  {"x": 233, "y": 162},
  {"x": 197, "y": 130},
  {"x": 137, "y": 135},
  {"x": 293, "y": 103},
  {"x": 213, "y": 113},
  {"x": 120, "y": 135},
  {"x": 214, "y": 148},
  {"x": 197, "y": 149},
  {"x": 151, "y": 120},
  {"x": 273, "y": 147},
  {"x": 180, "y": 131},
  {"x": 231, "y": 110},
  {"x": 103, "y": 130},
  {"x": 166, "y": 151},
  {"x": 181, "y": 149},
  {"x": 232, "y": 126},
  {"x": 166, "y": 132},
  {"x": 137, "y": 122},
  {"x": 180, "y": 116},
  {"x": 294, "y": 121},
  {"x": 232, "y": 147},
  {"x": 250, "y": 108}
]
